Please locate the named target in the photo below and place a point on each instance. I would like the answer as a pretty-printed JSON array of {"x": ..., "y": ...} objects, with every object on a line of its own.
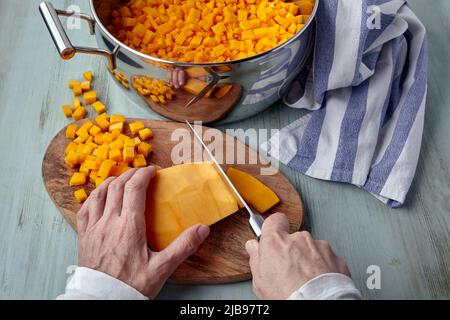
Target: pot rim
[{"x": 206, "y": 64}]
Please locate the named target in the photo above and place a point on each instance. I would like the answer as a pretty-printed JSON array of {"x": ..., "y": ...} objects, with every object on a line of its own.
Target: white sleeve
[
  {"x": 329, "y": 286},
  {"x": 89, "y": 284}
]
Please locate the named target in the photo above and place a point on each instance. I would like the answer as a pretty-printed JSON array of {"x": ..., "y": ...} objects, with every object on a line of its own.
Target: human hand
[
  {"x": 112, "y": 235},
  {"x": 176, "y": 77},
  {"x": 281, "y": 262}
]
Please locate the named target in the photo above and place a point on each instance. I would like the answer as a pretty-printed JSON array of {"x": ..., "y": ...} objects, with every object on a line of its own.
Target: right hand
[{"x": 281, "y": 263}]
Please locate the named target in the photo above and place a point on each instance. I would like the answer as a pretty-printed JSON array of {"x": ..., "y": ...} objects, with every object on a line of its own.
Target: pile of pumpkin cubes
[
  {"x": 208, "y": 31},
  {"x": 157, "y": 90},
  {"x": 98, "y": 148}
]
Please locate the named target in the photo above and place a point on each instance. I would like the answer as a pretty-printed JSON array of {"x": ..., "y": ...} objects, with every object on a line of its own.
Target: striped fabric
[{"x": 366, "y": 88}]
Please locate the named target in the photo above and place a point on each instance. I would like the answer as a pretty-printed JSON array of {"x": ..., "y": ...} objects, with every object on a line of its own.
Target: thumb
[{"x": 185, "y": 245}]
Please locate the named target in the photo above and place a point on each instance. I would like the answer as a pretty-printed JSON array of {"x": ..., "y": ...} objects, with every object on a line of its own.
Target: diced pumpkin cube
[
  {"x": 145, "y": 133},
  {"x": 98, "y": 181},
  {"x": 73, "y": 83},
  {"x": 116, "y": 144},
  {"x": 77, "y": 179},
  {"x": 67, "y": 110},
  {"x": 95, "y": 130},
  {"x": 80, "y": 195},
  {"x": 115, "y": 155},
  {"x": 79, "y": 113},
  {"x": 92, "y": 164},
  {"x": 135, "y": 127},
  {"x": 116, "y": 118},
  {"x": 128, "y": 154},
  {"x": 82, "y": 132},
  {"x": 88, "y": 149},
  {"x": 84, "y": 170},
  {"x": 137, "y": 141},
  {"x": 90, "y": 157},
  {"x": 98, "y": 138},
  {"x": 144, "y": 148},
  {"x": 139, "y": 161},
  {"x": 87, "y": 124},
  {"x": 77, "y": 90},
  {"x": 88, "y": 75},
  {"x": 128, "y": 142},
  {"x": 103, "y": 152},
  {"x": 90, "y": 97},
  {"x": 71, "y": 131},
  {"x": 99, "y": 107},
  {"x": 102, "y": 122},
  {"x": 85, "y": 86},
  {"x": 72, "y": 146},
  {"x": 93, "y": 176},
  {"x": 107, "y": 137},
  {"x": 105, "y": 169},
  {"x": 76, "y": 103},
  {"x": 118, "y": 169},
  {"x": 116, "y": 126}
]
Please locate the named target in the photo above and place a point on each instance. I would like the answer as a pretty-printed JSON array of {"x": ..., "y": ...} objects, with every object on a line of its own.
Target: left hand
[{"x": 112, "y": 235}]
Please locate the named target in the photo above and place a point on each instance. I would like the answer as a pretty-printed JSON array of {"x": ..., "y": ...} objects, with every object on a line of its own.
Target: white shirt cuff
[
  {"x": 89, "y": 284},
  {"x": 329, "y": 286}
]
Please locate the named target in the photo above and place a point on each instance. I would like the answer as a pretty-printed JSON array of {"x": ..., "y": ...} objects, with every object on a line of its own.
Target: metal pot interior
[{"x": 245, "y": 75}]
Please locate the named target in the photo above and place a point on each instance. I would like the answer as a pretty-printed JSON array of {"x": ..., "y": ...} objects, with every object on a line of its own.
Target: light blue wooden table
[{"x": 410, "y": 245}]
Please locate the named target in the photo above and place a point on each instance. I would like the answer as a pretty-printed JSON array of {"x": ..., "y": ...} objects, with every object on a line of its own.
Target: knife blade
[{"x": 255, "y": 219}]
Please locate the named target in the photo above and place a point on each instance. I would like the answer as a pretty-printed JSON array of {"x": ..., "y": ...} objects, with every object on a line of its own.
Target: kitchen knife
[{"x": 255, "y": 220}]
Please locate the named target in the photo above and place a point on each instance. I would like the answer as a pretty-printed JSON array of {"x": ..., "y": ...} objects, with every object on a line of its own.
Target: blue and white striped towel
[{"x": 367, "y": 90}]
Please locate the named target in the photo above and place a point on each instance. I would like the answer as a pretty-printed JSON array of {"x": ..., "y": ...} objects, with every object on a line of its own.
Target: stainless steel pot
[{"x": 258, "y": 81}]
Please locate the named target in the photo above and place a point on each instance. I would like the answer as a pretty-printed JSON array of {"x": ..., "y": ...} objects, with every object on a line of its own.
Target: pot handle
[{"x": 62, "y": 42}]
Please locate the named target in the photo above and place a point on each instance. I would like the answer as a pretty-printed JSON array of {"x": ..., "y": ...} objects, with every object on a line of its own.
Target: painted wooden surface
[
  {"x": 222, "y": 257},
  {"x": 37, "y": 246}
]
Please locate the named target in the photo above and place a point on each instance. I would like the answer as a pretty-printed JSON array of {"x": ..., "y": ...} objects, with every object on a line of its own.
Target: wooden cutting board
[{"x": 222, "y": 257}]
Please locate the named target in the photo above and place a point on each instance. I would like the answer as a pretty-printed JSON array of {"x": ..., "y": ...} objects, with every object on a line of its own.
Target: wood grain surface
[
  {"x": 222, "y": 258},
  {"x": 38, "y": 248}
]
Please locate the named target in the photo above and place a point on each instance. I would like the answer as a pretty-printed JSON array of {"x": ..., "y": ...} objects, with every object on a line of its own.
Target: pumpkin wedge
[
  {"x": 182, "y": 196},
  {"x": 254, "y": 192}
]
